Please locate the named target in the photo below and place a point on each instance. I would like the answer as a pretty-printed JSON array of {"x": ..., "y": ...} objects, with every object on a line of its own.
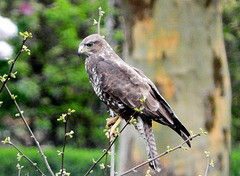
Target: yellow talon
[{"x": 113, "y": 122}]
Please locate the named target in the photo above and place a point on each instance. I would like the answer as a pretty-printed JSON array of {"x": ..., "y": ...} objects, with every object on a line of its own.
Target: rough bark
[{"x": 179, "y": 45}]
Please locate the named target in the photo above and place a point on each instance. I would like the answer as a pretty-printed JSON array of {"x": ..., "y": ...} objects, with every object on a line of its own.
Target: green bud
[
  {"x": 70, "y": 134},
  {"x": 7, "y": 140},
  {"x": 102, "y": 166}
]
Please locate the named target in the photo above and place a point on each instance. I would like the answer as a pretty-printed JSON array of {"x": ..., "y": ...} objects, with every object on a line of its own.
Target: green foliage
[
  {"x": 53, "y": 79},
  {"x": 231, "y": 26},
  {"x": 235, "y": 162},
  {"x": 77, "y": 162}
]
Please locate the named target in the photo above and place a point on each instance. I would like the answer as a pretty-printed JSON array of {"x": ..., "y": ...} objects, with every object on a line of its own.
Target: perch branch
[
  {"x": 114, "y": 140},
  {"x": 164, "y": 153}
]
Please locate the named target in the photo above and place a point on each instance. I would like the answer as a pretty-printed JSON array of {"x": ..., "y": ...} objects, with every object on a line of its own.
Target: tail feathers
[
  {"x": 177, "y": 127},
  {"x": 146, "y": 132},
  {"x": 181, "y": 130}
]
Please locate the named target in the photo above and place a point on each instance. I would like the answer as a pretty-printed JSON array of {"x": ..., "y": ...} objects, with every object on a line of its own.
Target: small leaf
[
  {"x": 70, "y": 111},
  {"x": 140, "y": 110},
  {"x": 133, "y": 121},
  {"x": 95, "y": 22},
  {"x": 211, "y": 163},
  {"x": 62, "y": 118},
  {"x": 59, "y": 152},
  {"x": 191, "y": 132},
  {"x": 102, "y": 166},
  {"x": 169, "y": 149},
  {"x": 184, "y": 148},
  {"x": 143, "y": 100},
  {"x": 3, "y": 78},
  {"x": 6, "y": 140},
  {"x": 25, "y": 35},
  {"x": 13, "y": 96},
  {"x": 70, "y": 134},
  {"x": 207, "y": 153},
  {"x": 203, "y": 133},
  {"x": 93, "y": 160},
  {"x": 19, "y": 156},
  {"x": 148, "y": 172}
]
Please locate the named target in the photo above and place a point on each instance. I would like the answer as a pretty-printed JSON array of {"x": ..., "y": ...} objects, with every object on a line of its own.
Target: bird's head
[{"x": 91, "y": 45}]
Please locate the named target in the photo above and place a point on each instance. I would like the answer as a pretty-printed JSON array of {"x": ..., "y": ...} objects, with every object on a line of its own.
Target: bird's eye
[{"x": 89, "y": 44}]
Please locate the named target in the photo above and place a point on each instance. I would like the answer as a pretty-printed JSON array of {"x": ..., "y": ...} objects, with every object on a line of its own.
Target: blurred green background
[{"x": 52, "y": 79}]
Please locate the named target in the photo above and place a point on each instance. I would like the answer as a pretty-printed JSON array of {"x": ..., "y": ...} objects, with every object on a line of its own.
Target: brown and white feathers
[{"x": 121, "y": 86}]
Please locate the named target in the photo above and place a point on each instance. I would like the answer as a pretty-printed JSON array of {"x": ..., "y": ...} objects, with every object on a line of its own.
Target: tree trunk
[{"x": 179, "y": 46}]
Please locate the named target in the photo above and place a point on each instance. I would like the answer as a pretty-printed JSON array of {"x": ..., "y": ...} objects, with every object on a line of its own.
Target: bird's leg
[{"x": 113, "y": 122}]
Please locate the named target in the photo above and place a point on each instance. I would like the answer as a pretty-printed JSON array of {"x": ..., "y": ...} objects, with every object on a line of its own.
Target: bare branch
[
  {"x": 112, "y": 162},
  {"x": 25, "y": 36},
  {"x": 28, "y": 159},
  {"x": 209, "y": 162},
  {"x": 164, "y": 153},
  {"x": 64, "y": 118},
  {"x": 112, "y": 142},
  {"x": 100, "y": 14},
  {"x": 64, "y": 143},
  {"x": 108, "y": 148},
  {"x": 30, "y": 131}
]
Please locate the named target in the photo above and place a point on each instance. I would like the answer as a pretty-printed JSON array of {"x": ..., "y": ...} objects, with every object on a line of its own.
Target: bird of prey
[{"x": 121, "y": 86}]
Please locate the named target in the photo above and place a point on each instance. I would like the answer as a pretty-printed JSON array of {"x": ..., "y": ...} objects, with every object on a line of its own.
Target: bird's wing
[
  {"x": 128, "y": 85},
  {"x": 124, "y": 84},
  {"x": 166, "y": 111}
]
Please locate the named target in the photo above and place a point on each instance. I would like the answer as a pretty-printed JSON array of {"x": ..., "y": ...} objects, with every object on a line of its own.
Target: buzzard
[{"x": 121, "y": 86}]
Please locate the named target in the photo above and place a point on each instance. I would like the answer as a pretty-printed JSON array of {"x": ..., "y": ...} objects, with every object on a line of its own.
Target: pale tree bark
[{"x": 179, "y": 45}]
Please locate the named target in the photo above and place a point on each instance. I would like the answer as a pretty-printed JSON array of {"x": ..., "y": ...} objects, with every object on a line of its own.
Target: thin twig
[
  {"x": 105, "y": 165},
  {"x": 208, "y": 164},
  {"x": 99, "y": 19},
  {"x": 108, "y": 148},
  {"x": 30, "y": 131},
  {"x": 113, "y": 141},
  {"x": 19, "y": 172},
  {"x": 28, "y": 159},
  {"x": 112, "y": 161},
  {"x": 112, "y": 165},
  {"x": 64, "y": 143},
  {"x": 164, "y": 153},
  {"x": 12, "y": 65}
]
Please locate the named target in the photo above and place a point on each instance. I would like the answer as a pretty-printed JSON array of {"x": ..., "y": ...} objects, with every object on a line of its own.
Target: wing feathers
[{"x": 128, "y": 85}]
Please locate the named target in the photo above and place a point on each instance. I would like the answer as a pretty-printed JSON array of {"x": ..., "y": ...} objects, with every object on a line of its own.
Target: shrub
[
  {"x": 77, "y": 161},
  {"x": 235, "y": 162}
]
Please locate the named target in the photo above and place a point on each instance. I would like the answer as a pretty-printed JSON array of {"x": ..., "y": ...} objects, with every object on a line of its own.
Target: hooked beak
[{"x": 80, "y": 51}]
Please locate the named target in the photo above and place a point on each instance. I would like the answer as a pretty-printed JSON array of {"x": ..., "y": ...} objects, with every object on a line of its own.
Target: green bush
[
  {"x": 77, "y": 161},
  {"x": 235, "y": 162}
]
